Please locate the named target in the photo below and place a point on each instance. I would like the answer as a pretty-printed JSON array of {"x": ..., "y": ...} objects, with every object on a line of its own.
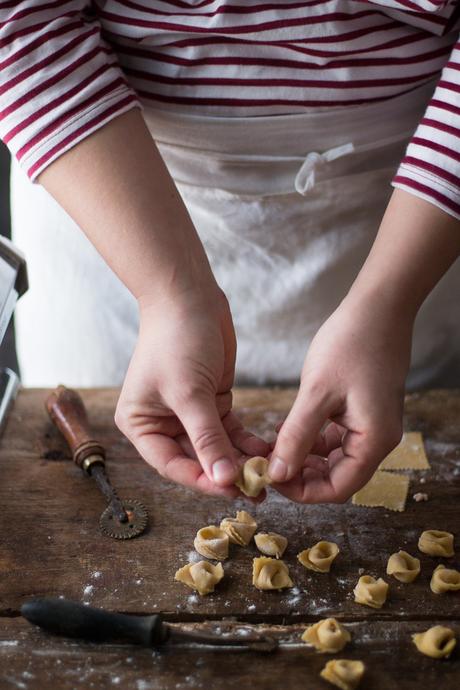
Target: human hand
[
  {"x": 348, "y": 412},
  {"x": 175, "y": 404}
]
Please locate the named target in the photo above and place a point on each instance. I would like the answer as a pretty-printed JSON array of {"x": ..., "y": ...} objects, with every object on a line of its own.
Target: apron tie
[{"x": 306, "y": 176}]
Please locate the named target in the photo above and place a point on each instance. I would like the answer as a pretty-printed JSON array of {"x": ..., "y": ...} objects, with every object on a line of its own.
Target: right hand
[{"x": 176, "y": 401}]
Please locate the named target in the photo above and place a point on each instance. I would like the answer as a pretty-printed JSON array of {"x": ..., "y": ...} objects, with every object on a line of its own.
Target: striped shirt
[{"x": 67, "y": 68}]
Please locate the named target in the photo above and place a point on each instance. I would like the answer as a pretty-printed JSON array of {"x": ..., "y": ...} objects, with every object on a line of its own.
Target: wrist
[
  {"x": 191, "y": 295},
  {"x": 387, "y": 300}
]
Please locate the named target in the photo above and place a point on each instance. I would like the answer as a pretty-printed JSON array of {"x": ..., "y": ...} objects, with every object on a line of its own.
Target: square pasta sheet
[
  {"x": 409, "y": 455},
  {"x": 384, "y": 490}
]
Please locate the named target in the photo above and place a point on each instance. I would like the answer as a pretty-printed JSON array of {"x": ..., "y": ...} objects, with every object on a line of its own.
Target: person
[{"x": 256, "y": 180}]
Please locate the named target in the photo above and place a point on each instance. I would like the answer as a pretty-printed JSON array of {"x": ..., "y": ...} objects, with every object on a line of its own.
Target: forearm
[
  {"x": 116, "y": 187},
  {"x": 416, "y": 244}
]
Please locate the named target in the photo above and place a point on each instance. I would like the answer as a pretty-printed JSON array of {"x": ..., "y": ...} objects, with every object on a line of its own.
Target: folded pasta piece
[
  {"x": 212, "y": 542},
  {"x": 435, "y": 542},
  {"x": 403, "y": 566},
  {"x": 240, "y": 529},
  {"x": 436, "y": 642},
  {"x": 319, "y": 558},
  {"x": 254, "y": 476},
  {"x": 202, "y": 576},
  {"x": 271, "y": 544},
  {"x": 371, "y": 592},
  {"x": 445, "y": 580},
  {"x": 327, "y": 636},
  {"x": 269, "y": 573},
  {"x": 343, "y": 673}
]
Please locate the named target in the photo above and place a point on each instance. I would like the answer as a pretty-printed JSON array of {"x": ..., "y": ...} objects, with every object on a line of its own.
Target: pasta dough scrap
[
  {"x": 327, "y": 636},
  {"x": 435, "y": 542},
  {"x": 445, "y": 580},
  {"x": 343, "y": 673},
  {"x": 409, "y": 455},
  {"x": 403, "y": 566},
  {"x": 319, "y": 558},
  {"x": 271, "y": 544},
  {"x": 384, "y": 490},
  {"x": 240, "y": 529},
  {"x": 212, "y": 542},
  {"x": 202, "y": 576},
  {"x": 371, "y": 592},
  {"x": 437, "y": 642},
  {"x": 269, "y": 573},
  {"x": 254, "y": 476}
]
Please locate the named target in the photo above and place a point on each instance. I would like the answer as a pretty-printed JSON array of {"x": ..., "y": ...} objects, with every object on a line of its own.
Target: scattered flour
[
  {"x": 16, "y": 683},
  {"x": 88, "y": 590},
  {"x": 96, "y": 575},
  {"x": 142, "y": 684},
  {"x": 194, "y": 557}
]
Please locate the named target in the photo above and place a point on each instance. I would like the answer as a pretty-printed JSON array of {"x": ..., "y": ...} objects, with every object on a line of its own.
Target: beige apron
[{"x": 287, "y": 208}]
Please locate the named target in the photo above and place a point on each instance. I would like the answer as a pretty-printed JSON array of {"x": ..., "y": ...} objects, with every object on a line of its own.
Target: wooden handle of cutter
[{"x": 67, "y": 411}]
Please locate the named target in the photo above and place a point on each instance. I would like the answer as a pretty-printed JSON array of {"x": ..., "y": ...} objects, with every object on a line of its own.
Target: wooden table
[{"x": 51, "y": 545}]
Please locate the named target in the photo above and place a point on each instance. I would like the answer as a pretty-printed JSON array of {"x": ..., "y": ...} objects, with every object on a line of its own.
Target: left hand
[
  {"x": 355, "y": 370},
  {"x": 348, "y": 412}
]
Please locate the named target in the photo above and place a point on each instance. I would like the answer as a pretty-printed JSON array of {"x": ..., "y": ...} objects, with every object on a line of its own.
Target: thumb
[
  {"x": 298, "y": 434},
  {"x": 204, "y": 428}
]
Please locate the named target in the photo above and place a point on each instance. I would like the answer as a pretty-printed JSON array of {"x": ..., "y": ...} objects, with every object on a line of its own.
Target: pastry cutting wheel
[
  {"x": 134, "y": 525},
  {"x": 121, "y": 519}
]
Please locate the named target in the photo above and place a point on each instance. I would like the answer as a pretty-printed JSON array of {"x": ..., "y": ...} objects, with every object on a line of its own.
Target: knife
[{"x": 72, "y": 619}]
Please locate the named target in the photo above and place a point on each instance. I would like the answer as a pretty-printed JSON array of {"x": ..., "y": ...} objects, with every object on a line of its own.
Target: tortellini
[
  {"x": 212, "y": 542},
  {"x": 437, "y": 642},
  {"x": 445, "y": 580},
  {"x": 371, "y": 592},
  {"x": 240, "y": 529},
  {"x": 202, "y": 576},
  {"x": 435, "y": 542},
  {"x": 271, "y": 544},
  {"x": 327, "y": 636},
  {"x": 269, "y": 573},
  {"x": 403, "y": 566},
  {"x": 254, "y": 476},
  {"x": 319, "y": 557},
  {"x": 343, "y": 673}
]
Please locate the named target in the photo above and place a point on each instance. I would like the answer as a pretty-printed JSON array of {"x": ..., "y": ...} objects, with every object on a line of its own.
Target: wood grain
[
  {"x": 51, "y": 545},
  {"x": 30, "y": 660}
]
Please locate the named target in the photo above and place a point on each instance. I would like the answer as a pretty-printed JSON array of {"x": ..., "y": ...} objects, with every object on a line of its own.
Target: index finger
[{"x": 165, "y": 455}]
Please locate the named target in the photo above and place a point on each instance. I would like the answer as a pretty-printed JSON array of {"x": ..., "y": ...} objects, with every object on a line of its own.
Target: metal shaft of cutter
[{"x": 97, "y": 471}]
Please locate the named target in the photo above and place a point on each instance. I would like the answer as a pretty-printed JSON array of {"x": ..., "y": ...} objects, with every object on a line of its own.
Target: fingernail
[
  {"x": 223, "y": 471},
  {"x": 277, "y": 470}
]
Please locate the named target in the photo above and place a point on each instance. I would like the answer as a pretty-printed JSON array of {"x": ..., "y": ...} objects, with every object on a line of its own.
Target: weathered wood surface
[
  {"x": 31, "y": 661},
  {"x": 51, "y": 545}
]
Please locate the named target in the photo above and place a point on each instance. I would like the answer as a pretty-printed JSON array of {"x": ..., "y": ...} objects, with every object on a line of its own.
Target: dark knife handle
[
  {"x": 67, "y": 410},
  {"x": 72, "y": 619}
]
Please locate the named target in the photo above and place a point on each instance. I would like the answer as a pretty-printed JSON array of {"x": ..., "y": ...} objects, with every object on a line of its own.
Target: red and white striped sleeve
[
  {"x": 59, "y": 81},
  {"x": 431, "y": 166}
]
